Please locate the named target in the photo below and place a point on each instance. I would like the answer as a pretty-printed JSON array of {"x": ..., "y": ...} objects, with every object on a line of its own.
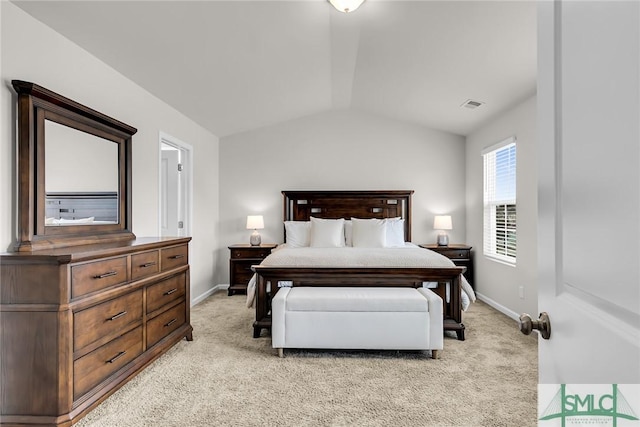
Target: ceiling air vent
[{"x": 470, "y": 103}]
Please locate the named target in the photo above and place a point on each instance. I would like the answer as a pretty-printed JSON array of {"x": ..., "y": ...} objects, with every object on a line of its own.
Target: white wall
[
  {"x": 33, "y": 52},
  {"x": 499, "y": 283},
  {"x": 339, "y": 150},
  {"x": 93, "y": 157}
]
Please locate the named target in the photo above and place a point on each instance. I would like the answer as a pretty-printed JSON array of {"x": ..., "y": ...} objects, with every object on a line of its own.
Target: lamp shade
[
  {"x": 442, "y": 222},
  {"x": 346, "y": 6},
  {"x": 255, "y": 222}
]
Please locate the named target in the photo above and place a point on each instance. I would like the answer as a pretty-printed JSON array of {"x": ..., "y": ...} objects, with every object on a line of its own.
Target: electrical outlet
[{"x": 521, "y": 291}]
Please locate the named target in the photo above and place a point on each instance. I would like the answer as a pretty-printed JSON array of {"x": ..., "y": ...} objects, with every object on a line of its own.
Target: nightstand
[
  {"x": 459, "y": 254},
  {"x": 243, "y": 256}
]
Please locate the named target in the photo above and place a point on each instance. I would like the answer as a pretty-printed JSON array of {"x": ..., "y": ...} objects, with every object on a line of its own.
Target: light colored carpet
[{"x": 227, "y": 378}]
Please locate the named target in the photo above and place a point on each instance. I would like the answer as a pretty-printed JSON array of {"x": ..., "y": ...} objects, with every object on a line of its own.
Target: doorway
[{"x": 175, "y": 209}]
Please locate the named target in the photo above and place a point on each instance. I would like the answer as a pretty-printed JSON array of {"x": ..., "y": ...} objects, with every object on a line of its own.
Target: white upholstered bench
[{"x": 357, "y": 318}]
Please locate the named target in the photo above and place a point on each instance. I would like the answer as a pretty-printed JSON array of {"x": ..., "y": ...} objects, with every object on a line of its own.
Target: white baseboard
[
  {"x": 205, "y": 295},
  {"x": 501, "y": 308}
]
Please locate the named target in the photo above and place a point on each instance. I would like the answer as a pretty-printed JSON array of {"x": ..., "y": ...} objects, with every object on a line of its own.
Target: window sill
[{"x": 501, "y": 260}]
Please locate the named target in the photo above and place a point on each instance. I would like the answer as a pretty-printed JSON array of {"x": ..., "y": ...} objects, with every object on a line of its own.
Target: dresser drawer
[
  {"x": 176, "y": 256},
  {"x": 145, "y": 264},
  {"x": 95, "y": 367},
  {"x": 164, "y": 292},
  {"x": 165, "y": 323},
  {"x": 455, "y": 253},
  {"x": 250, "y": 253},
  {"x": 94, "y": 276},
  {"x": 105, "y": 321}
]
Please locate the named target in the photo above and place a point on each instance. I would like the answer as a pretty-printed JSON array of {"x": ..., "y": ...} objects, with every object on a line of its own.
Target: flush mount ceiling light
[{"x": 346, "y": 6}]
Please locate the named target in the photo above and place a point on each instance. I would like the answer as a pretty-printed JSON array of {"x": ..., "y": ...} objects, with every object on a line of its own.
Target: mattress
[{"x": 408, "y": 255}]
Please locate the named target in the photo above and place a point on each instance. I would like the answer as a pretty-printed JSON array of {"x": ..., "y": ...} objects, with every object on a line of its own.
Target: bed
[
  {"x": 72, "y": 208},
  {"x": 375, "y": 228}
]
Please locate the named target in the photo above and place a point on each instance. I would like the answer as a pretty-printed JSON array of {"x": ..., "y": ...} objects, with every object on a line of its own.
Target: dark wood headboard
[
  {"x": 102, "y": 206},
  {"x": 301, "y": 205}
]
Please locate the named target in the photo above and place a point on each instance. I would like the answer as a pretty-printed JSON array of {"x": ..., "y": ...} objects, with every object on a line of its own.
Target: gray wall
[
  {"x": 495, "y": 282},
  {"x": 339, "y": 150},
  {"x": 33, "y": 52},
  {"x": 93, "y": 165}
]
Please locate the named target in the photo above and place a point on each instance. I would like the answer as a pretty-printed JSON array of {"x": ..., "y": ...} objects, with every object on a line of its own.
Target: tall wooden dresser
[
  {"x": 78, "y": 322},
  {"x": 84, "y": 304}
]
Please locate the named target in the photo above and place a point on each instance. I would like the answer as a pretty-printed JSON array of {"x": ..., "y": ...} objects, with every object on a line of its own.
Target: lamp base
[
  {"x": 443, "y": 239},
  {"x": 255, "y": 238}
]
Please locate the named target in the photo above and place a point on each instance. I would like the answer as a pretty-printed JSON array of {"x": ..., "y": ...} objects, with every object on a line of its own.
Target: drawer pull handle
[
  {"x": 122, "y": 313},
  {"x": 107, "y": 274},
  {"x": 176, "y": 256},
  {"x": 116, "y": 357},
  {"x": 148, "y": 264},
  {"x": 171, "y": 322},
  {"x": 171, "y": 291}
]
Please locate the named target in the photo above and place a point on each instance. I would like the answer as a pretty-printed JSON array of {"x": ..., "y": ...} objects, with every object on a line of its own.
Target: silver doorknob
[{"x": 542, "y": 325}]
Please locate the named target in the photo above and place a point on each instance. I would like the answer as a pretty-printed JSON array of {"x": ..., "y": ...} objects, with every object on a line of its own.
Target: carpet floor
[{"x": 227, "y": 378}]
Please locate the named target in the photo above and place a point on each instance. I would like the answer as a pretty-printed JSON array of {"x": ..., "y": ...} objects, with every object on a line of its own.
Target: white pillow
[
  {"x": 348, "y": 233},
  {"x": 395, "y": 232},
  {"x": 298, "y": 233},
  {"x": 327, "y": 233},
  {"x": 369, "y": 233},
  {"x": 88, "y": 220}
]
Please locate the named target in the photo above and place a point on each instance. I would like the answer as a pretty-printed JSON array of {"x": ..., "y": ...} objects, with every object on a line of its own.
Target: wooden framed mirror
[{"x": 74, "y": 169}]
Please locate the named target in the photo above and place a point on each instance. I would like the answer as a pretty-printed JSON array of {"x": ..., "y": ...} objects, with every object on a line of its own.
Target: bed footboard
[{"x": 446, "y": 284}]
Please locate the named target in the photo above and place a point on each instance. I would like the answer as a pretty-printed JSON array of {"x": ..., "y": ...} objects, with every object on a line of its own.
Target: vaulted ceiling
[{"x": 234, "y": 66}]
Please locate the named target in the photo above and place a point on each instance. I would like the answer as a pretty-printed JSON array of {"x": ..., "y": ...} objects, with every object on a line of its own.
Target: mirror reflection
[{"x": 81, "y": 177}]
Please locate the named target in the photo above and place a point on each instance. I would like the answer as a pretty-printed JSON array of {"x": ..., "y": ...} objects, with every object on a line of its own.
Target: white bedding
[
  {"x": 409, "y": 255},
  {"x": 79, "y": 221}
]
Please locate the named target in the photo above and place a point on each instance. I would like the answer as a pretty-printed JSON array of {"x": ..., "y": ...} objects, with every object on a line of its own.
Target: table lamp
[
  {"x": 442, "y": 223},
  {"x": 255, "y": 222}
]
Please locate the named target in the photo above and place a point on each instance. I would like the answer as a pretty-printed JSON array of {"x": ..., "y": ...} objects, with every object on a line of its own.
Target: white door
[
  {"x": 170, "y": 191},
  {"x": 589, "y": 191}
]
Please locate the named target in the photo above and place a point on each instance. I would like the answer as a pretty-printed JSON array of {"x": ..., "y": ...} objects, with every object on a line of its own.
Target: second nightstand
[
  {"x": 459, "y": 254},
  {"x": 243, "y": 256}
]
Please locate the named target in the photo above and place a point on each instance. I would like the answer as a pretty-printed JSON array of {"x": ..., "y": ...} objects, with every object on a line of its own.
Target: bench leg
[
  {"x": 435, "y": 354},
  {"x": 281, "y": 352}
]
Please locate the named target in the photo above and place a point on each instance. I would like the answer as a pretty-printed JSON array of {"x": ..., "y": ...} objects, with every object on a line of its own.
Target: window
[{"x": 500, "y": 241}]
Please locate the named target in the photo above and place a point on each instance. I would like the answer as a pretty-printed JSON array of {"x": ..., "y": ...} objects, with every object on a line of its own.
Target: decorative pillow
[
  {"x": 327, "y": 233},
  {"x": 88, "y": 220},
  {"x": 348, "y": 233},
  {"x": 395, "y": 232},
  {"x": 298, "y": 233},
  {"x": 369, "y": 233}
]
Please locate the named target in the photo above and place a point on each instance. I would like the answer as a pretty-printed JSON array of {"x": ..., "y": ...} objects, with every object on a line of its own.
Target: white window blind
[{"x": 500, "y": 201}]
